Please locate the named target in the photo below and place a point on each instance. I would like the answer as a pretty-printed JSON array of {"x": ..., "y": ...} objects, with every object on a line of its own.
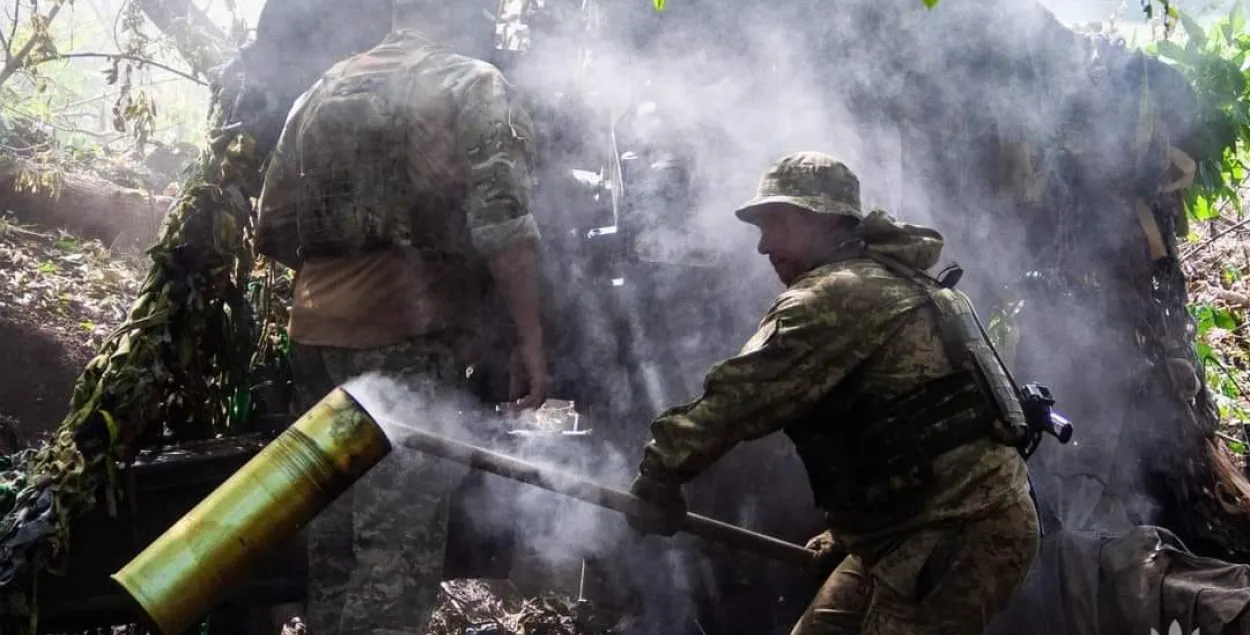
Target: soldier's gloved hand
[
  {"x": 829, "y": 554},
  {"x": 666, "y": 501}
]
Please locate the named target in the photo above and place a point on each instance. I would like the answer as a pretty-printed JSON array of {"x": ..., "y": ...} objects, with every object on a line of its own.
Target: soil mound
[{"x": 60, "y": 296}]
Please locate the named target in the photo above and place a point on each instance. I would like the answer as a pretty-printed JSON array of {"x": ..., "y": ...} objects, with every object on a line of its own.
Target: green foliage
[
  {"x": 84, "y": 59},
  {"x": 184, "y": 360},
  {"x": 133, "y": 111},
  {"x": 1208, "y": 317},
  {"x": 1214, "y": 63},
  {"x": 1225, "y": 379},
  {"x": 1224, "y": 384}
]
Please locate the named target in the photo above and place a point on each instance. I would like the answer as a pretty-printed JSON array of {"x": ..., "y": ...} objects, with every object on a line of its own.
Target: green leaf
[
  {"x": 1224, "y": 319},
  {"x": 1205, "y": 318},
  {"x": 1195, "y": 32},
  {"x": 1172, "y": 51},
  {"x": 1203, "y": 210},
  {"x": 1204, "y": 352},
  {"x": 659, "y": 4},
  {"x": 929, "y": 4},
  {"x": 1236, "y": 448}
]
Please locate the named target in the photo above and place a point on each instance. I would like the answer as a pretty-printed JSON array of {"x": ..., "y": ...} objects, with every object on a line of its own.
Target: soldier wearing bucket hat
[
  {"x": 399, "y": 188},
  {"x": 906, "y": 423}
]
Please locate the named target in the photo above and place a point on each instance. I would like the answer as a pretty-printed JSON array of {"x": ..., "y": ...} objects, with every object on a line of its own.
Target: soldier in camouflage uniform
[
  {"x": 905, "y": 427},
  {"x": 397, "y": 217}
]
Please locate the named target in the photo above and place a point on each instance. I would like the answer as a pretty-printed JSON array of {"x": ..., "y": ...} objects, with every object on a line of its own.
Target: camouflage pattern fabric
[
  {"x": 947, "y": 579},
  {"x": 813, "y": 181},
  {"x": 852, "y": 316},
  {"x": 376, "y": 554},
  {"x": 466, "y": 145}
]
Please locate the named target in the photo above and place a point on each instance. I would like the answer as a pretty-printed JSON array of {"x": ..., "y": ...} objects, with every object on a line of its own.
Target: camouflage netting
[
  {"x": 189, "y": 354},
  {"x": 202, "y": 352}
]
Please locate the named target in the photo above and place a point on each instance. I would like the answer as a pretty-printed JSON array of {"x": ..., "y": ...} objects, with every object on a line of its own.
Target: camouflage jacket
[
  {"x": 852, "y": 315},
  {"x": 469, "y": 153}
]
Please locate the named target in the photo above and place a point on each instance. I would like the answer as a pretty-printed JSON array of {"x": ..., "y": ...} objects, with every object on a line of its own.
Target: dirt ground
[{"x": 59, "y": 297}]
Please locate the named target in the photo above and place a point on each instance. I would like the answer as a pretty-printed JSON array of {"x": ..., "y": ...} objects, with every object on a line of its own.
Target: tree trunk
[{"x": 83, "y": 204}]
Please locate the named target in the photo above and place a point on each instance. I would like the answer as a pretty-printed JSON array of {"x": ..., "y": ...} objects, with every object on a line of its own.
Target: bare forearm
[{"x": 515, "y": 270}]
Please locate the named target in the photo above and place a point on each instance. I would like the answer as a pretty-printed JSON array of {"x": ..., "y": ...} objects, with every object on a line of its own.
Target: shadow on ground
[{"x": 38, "y": 368}]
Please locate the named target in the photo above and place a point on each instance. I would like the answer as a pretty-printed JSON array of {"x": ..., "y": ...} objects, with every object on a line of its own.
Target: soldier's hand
[
  {"x": 528, "y": 379},
  {"x": 667, "y": 503},
  {"x": 829, "y": 554}
]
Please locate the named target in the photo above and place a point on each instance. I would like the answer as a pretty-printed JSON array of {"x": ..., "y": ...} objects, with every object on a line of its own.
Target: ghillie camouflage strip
[{"x": 186, "y": 356}]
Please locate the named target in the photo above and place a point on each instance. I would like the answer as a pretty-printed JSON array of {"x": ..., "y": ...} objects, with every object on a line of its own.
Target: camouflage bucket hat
[{"x": 813, "y": 181}]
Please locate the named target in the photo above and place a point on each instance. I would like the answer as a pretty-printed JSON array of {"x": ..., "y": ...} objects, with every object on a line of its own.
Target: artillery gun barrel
[{"x": 581, "y": 489}]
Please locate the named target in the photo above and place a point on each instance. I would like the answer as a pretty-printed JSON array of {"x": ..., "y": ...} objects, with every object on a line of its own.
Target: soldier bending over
[{"x": 906, "y": 422}]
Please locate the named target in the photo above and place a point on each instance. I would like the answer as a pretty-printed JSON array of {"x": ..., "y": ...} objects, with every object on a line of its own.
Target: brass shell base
[{"x": 181, "y": 575}]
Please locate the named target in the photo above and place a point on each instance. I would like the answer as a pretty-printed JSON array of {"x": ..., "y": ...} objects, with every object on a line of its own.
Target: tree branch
[
  {"x": 15, "y": 62},
  {"x": 198, "y": 18},
  {"x": 1208, "y": 242},
  {"x": 8, "y": 44},
  {"x": 197, "y": 38},
  {"x": 133, "y": 58}
]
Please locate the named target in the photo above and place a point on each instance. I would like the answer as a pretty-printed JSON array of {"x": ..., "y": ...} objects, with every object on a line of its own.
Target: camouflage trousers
[
  {"x": 939, "y": 581},
  {"x": 375, "y": 555}
]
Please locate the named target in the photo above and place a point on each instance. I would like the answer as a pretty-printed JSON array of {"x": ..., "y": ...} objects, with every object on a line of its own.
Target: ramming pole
[{"x": 581, "y": 489}]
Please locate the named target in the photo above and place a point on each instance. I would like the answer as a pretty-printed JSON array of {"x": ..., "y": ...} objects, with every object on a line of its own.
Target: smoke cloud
[
  {"x": 934, "y": 110},
  {"x": 560, "y": 531}
]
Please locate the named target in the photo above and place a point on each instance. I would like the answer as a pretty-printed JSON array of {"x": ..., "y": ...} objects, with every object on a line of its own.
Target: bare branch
[
  {"x": 199, "y": 18},
  {"x": 16, "y": 60},
  {"x": 1208, "y": 242},
  {"x": 8, "y": 44},
  {"x": 195, "y": 35},
  {"x": 133, "y": 58}
]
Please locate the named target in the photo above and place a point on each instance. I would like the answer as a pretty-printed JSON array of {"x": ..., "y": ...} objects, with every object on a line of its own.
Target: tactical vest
[
  {"x": 351, "y": 145},
  {"x": 868, "y": 457}
]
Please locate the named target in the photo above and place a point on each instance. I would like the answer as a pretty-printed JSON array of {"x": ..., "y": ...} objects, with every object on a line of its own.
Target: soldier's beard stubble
[{"x": 786, "y": 269}]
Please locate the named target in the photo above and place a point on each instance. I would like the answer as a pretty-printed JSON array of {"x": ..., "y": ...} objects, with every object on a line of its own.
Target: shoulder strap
[
  {"x": 932, "y": 285},
  {"x": 951, "y": 339}
]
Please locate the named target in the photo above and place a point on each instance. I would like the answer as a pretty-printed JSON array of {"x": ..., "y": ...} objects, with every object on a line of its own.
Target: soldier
[
  {"x": 399, "y": 192},
  {"x": 908, "y": 425}
]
